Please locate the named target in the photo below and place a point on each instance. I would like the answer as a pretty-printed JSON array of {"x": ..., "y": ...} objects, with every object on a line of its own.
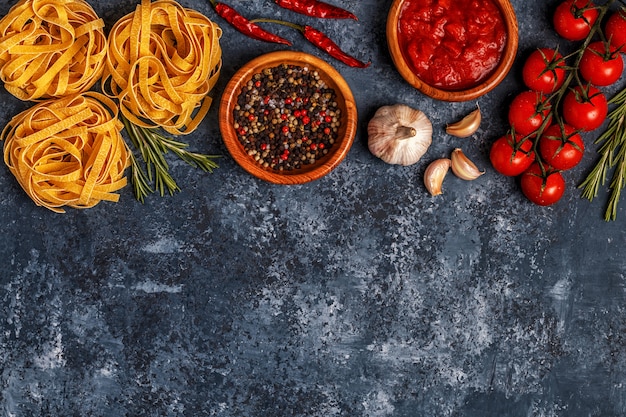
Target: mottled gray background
[{"x": 355, "y": 295}]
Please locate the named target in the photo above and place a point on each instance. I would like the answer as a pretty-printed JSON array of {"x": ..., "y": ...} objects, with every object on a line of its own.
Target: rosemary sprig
[
  {"x": 153, "y": 146},
  {"x": 612, "y": 157}
]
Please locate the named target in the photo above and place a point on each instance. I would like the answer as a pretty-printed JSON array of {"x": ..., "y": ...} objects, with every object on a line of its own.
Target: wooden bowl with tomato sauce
[
  {"x": 288, "y": 117},
  {"x": 452, "y": 50}
]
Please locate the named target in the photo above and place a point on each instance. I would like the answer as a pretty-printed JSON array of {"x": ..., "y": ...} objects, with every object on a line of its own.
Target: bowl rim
[
  {"x": 306, "y": 174},
  {"x": 508, "y": 57}
]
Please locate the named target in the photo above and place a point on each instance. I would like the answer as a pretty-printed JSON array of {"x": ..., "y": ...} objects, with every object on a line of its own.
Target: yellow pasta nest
[
  {"x": 68, "y": 151},
  {"x": 51, "y": 48},
  {"x": 163, "y": 60}
]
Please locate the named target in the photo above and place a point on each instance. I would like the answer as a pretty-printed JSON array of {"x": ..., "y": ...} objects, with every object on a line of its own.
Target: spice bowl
[
  {"x": 419, "y": 41},
  {"x": 288, "y": 117}
]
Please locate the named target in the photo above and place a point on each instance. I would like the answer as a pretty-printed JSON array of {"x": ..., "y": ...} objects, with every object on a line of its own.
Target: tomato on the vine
[
  {"x": 542, "y": 188},
  {"x": 527, "y": 112},
  {"x": 544, "y": 70},
  {"x": 585, "y": 107},
  {"x": 511, "y": 156},
  {"x": 615, "y": 29},
  {"x": 601, "y": 64},
  {"x": 561, "y": 147},
  {"x": 573, "y": 19}
]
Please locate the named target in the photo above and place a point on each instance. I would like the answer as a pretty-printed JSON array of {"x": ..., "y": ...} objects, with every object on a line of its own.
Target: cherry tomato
[
  {"x": 527, "y": 112},
  {"x": 561, "y": 147},
  {"x": 541, "y": 188},
  {"x": 573, "y": 19},
  {"x": 544, "y": 70},
  {"x": 585, "y": 108},
  {"x": 615, "y": 29},
  {"x": 511, "y": 156},
  {"x": 601, "y": 64}
]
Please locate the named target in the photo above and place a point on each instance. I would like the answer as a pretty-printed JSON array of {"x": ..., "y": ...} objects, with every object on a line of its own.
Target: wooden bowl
[
  {"x": 505, "y": 64},
  {"x": 323, "y": 165}
]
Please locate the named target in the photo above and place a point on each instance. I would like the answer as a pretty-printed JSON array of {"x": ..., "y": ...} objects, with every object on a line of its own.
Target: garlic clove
[
  {"x": 467, "y": 126},
  {"x": 463, "y": 167},
  {"x": 399, "y": 134},
  {"x": 434, "y": 175}
]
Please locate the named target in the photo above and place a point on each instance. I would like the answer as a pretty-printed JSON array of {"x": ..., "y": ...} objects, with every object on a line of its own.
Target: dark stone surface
[{"x": 355, "y": 295}]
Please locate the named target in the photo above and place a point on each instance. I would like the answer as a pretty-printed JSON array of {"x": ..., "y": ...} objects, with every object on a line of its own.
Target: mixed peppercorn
[{"x": 287, "y": 117}]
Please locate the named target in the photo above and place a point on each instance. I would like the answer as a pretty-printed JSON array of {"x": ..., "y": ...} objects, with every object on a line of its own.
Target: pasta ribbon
[
  {"x": 68, "y": 151},
  {"x": 51, "y": 48},
  {"x": 163, "y": 61}
]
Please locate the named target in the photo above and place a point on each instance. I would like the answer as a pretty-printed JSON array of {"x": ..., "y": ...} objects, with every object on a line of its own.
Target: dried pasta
[
  {"x": 68, "y": 151},
  {"x": 51, "y": 48},
  {"x": 163, "y": 61}
]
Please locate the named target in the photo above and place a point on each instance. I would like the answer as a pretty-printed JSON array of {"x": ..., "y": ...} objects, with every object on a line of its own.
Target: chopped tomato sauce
[{"x": 452, "y": 44}]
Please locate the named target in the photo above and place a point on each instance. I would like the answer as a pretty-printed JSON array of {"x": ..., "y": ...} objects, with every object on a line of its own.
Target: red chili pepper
[
  {"x": 316, "y": 8},
  {"x": 245, "y": 26},
  {"x": 322, "y": 41}
]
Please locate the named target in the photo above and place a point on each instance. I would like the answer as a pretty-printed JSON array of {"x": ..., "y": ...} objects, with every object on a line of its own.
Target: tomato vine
[{"x": 576, "y": 102}]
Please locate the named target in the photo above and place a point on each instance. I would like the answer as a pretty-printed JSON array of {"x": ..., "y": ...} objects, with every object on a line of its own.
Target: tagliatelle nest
[
  {"x": 51, "y": 48},
  {"x": 163, "y": 61},
  {"x": 68, "y": 151}
]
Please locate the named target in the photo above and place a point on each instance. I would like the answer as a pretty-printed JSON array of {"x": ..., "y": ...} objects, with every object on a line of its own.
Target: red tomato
[
  {"x": 601, "y": 64},
  {"x": 615, "y": 29},
  {"x": 511, "y": 156},
  {"x": 527, "y": 112},
  {"x": 573, "y": 19},
  {"x": 544, "y": 70},
  {"x": 541, "y": 188},
  {"x": 561, "y": 149},
  {"x": 585, "y": 108}
]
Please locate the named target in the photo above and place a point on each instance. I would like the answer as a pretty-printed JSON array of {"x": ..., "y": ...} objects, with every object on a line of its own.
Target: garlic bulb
[{"x": 399, "y": 134}]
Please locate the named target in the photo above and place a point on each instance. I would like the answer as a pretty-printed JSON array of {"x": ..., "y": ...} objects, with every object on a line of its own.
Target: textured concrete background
[{"x": 355, "y": 295}]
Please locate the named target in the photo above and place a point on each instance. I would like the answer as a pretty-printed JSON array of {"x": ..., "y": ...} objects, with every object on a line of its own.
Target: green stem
[{"x": 279, "y": 22}]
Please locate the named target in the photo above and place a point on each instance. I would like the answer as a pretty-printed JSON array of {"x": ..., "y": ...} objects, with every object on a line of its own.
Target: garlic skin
[
  {"x": 399, "y": 134},
  {"x": 467, "y": 126},
  {"x": 463, "y": 167},
  {"x": 435, "y": 173}
]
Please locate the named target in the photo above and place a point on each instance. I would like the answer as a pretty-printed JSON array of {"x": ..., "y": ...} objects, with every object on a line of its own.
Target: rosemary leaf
[
  {"x": 617, "y": 184},
  {"x": 139, "y": 179},
  {"x": 156, "y": 157},
  {"x": 197, "y": 160},
  {"x": 596, "y": 177},
  {"x": 619, "y": 98},
  {"x": 139, "y": 143}
]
